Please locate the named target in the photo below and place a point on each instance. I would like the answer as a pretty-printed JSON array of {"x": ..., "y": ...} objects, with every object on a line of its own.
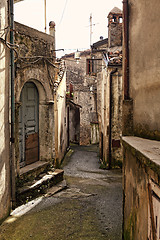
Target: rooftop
[
  {"x": 100, "y": 43},
  {"x": 115, "y": 10},
  {"x": 82, "y": 53}
]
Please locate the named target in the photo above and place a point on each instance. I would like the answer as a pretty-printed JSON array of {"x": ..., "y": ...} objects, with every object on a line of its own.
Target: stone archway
[{"x": 45, "y": 115}]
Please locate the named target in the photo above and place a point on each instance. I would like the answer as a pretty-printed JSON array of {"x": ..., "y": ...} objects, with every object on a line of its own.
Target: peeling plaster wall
[
  {"x": 94, "y": 133},
  {"x": 62, "y": 118},
  {"x": 141, "y": 188},
  {"x": 103, "y": 101},
  {"x": 117, "y": 117},
  {"x": 33, "y": 43},
  {"x": 144, "y": 64},
  {"x": 101, "y": 84},
  {"x": 136, "y": 199},
  {"x": 4, "y": 119},
  {"x": 141, "y": 167}
]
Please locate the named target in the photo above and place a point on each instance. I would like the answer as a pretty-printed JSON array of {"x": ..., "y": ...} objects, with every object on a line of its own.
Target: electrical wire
[
  {"x": 6, "y": 43},
  {"x": 52, "y": 64},
  {"x": 85, "y": 62},
  {"x": 63, "y": 12}
]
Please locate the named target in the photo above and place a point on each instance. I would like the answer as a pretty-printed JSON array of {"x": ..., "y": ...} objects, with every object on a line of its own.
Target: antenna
[
  {"x": 91, "y": 28},
  {"x": 45, "y": 16},
  {"x": 91, "y": 32}
]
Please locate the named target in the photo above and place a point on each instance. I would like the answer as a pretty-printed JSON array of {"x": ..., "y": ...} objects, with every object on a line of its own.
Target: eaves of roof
[
  {"x": 16, "y": 1},
  {"x": 100, "y": 43},
  {"x": 115, "y": 10}
]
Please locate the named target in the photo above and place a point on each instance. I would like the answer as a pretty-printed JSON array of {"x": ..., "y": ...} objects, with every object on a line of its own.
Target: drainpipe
[
  {"x": 56, "y": 122},
  {"x": 110, "y": 119},
  {"x": 12, "y": 103},
  {"x": 68, "y": 137},
  {"x": 126, "y": 49}
]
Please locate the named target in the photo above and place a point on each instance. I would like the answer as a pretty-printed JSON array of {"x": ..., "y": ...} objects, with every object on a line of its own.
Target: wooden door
[{"x": 29, "y": 125}]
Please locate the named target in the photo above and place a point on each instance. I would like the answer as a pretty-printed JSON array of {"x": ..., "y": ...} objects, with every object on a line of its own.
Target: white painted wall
[{"x": 4, "y": 117}]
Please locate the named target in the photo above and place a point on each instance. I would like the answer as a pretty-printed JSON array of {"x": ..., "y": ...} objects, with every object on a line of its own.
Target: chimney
[
  {"x": 115, "y": 27},
  {"x": 52, "y": 28},
  {"x": 52, "y": 33}
]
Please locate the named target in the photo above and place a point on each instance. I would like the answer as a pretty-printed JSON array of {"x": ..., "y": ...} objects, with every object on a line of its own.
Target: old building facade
[
  {"x": 81, "y": 86},
  {"x": 109, "y": 91},
  {"x": 40, "y": 88},
  {"x": 95, "y": 80},
  {"x": 5, "y": 189},
  {"x": 36, "y": 102},
  {"x": 141, "y": 127}
]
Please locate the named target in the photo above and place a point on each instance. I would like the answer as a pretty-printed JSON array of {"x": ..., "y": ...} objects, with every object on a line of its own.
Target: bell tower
[{"x": 115, "y": 28}]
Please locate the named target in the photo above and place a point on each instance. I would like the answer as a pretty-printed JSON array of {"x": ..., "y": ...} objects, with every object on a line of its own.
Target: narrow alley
[{"x": 89, "y": 208}]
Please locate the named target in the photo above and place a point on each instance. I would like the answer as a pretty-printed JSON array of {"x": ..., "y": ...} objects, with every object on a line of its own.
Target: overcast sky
[{"x": 71, "y": 18}]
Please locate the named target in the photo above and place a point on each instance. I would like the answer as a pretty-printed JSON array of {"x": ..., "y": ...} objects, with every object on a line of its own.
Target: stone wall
[
  {"x": 115, "y": 35},
  {"x": 5, "y": 188},
  {"x": 84, "y": 94},
  {"x": 35, "y": 64},
  {"x": 74, "y": 122},
  {"x": 115, "y": 28}
]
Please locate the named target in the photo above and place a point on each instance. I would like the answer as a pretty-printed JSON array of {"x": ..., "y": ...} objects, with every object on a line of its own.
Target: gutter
[
  {"x": 110, "y": 119},
  {"x": 12, "y": 75},
  {"x": 126, "y": 49}
]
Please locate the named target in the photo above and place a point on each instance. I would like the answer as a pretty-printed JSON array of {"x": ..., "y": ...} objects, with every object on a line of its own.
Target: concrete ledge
[{"x": 147, "y": 151}]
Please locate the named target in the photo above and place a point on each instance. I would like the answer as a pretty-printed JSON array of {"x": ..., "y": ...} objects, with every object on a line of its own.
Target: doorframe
[
  {"x": 24, "y": 134},
  {"x": 45, "y": 100}
]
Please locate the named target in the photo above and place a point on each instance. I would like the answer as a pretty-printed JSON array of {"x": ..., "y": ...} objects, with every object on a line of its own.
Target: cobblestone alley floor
[{"x": 89, "y": 209}]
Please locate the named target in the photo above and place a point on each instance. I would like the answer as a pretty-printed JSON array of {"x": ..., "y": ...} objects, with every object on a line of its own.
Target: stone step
[
  {"x": 34, "y": 188},
  {"x": 32, "y": 171}
]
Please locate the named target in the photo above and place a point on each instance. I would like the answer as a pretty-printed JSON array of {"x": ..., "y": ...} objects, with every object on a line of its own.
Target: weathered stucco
[
  {"x": 141, "y": 168},
  {"x": 61, "y": 118},
  {"x": 109, "y": 91},
  {"x": 144, "y": 66},
  {"x": 103, "y": 106},
  {"x": 4, "y": 118}
]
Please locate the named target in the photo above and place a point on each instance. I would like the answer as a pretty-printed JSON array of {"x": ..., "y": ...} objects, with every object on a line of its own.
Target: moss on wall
[
  {"x": 129, "y": 230},
  {"x": 144, "y": 131}
]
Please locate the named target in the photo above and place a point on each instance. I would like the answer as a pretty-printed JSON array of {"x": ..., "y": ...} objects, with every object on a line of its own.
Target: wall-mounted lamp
[
  {"x": 91, "y": 89},
  {"x": 77, "y": 56}
]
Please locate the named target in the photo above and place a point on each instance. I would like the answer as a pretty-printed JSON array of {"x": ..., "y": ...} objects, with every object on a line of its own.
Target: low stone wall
[{"x": 141, "y": 188}]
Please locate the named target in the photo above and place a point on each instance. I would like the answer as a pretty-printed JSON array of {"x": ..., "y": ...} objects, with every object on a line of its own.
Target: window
[
  {"x": 93, "y": 66},
  {"x": 114, "y": 19},
  {"x": 120, "y": 20},
  {"x": 89, "y": 66}
]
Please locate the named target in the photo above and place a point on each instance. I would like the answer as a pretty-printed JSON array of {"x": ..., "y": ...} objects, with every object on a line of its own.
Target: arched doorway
[{"x": 29, "y": 125}]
